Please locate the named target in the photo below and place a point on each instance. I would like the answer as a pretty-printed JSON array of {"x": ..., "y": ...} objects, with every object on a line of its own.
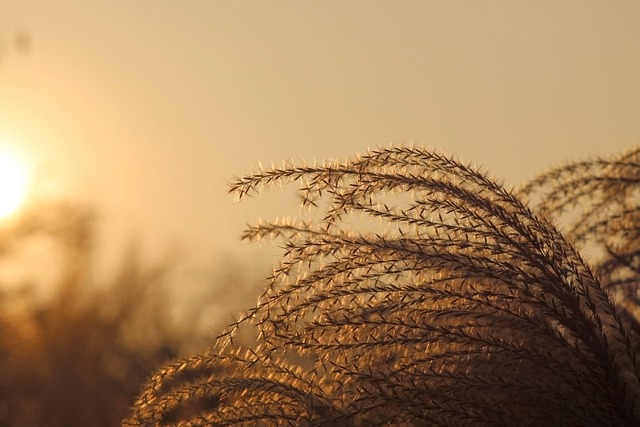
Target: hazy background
[
  {"x": 140, "y": 112},
  {"x": 146, "y": 109}
]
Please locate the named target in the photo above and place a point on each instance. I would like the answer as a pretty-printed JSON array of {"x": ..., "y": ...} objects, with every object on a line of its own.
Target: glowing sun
[{"x": 13, "y": 183}]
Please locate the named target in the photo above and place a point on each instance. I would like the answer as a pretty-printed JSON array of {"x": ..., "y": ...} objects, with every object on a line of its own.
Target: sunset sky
[{"x": 146, "y": 109}]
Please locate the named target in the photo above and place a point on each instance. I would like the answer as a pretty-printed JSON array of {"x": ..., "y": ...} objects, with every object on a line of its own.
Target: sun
[{"x": 13, "y": 183}]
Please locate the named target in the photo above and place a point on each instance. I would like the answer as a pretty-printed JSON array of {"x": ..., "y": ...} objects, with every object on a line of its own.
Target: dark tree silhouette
[{"x": 461, "y": 303}]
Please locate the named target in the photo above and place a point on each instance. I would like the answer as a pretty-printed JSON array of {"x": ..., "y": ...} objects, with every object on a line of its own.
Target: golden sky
[{"x": 147, "y": 108}]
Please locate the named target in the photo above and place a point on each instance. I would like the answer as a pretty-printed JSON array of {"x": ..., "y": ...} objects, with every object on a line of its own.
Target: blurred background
[{"x": 128, "y": 119}]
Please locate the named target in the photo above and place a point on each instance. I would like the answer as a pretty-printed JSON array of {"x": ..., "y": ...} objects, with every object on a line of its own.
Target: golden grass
[{"x": 463, "y": 305}]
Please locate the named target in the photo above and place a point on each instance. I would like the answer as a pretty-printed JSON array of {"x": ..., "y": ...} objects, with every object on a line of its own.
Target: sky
[{"x": 147, "y": 109}]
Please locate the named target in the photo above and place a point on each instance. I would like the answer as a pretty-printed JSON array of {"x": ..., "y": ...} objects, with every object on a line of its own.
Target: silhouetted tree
[{"x": 78, "y": 356}]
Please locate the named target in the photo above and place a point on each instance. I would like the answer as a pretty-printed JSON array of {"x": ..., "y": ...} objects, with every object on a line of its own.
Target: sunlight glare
[{"x": 13, "y": 184}]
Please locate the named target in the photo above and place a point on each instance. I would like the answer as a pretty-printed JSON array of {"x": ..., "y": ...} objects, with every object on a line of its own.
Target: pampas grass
[{"x": 460, "y": 304}]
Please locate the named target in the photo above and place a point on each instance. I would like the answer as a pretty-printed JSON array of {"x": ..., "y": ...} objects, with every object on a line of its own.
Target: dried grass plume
[{"x": 460, "y": 304}]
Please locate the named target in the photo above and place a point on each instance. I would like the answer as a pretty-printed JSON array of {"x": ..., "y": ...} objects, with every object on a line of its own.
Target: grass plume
[{"x": 462, "y": 304}]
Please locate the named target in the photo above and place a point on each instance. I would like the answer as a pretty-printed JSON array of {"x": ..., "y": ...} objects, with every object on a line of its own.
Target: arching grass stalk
[{"x": 462, "y": 304}]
